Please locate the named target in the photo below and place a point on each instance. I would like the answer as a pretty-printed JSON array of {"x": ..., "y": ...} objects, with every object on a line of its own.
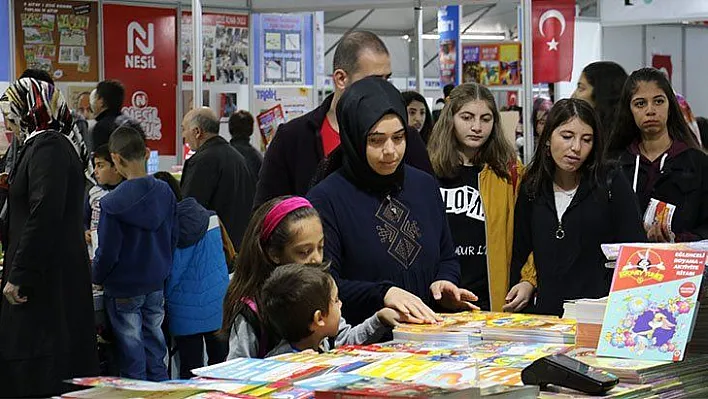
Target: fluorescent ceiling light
[{"x": 433, "y": 36}]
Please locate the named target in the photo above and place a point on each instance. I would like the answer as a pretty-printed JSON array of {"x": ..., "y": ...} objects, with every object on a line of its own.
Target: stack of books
[
  {"x": 588, "y": 314},
  {"x": 470, "y": 326},
  {"x": 378, "y": 388},
  {"x": 699, "y": 339},
  {"x": 666, "y": 378},
  {"x": 620, "y": 391}
]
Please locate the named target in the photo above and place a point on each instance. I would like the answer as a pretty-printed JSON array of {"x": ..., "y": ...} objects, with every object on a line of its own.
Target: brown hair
[
  {"x": 443, "y": 147},
  {"x": 291, "y": 296},
  {"x": 254, "y": 265}
]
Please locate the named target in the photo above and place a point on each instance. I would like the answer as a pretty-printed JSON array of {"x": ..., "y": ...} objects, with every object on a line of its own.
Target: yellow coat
[{"x": 499, "y": 201}]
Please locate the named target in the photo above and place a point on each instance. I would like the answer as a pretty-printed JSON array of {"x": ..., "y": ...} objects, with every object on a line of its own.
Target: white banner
[{"x": 640, "y": 12}]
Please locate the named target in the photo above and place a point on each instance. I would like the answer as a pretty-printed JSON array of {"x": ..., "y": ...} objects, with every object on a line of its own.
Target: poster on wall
[
  {"x": 59, "y": 37},
  {"x": 227, "y": 105},
  {"x": 294, "y": 102},
  {"x": 144, "y": 57},
  {"x": 449, "y": 54},
  {"x": 492, "y": 64},
  {"x": 4, "y": 43},
  {"x": 225, "y": 48},
  {"x": 284, "y": 49}
]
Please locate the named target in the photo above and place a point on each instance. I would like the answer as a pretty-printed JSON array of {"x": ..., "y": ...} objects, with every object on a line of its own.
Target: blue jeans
[{"x": 137, "y": 325}]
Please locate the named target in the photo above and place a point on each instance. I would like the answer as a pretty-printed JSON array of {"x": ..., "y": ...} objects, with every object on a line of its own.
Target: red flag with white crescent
[{"x": 553, "y": 27}]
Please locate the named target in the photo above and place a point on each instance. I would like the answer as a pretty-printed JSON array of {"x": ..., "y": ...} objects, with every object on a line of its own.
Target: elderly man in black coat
[{"x": 217, "y": 175}]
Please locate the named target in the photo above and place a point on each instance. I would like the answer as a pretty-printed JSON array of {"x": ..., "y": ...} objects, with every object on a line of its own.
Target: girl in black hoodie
[
  {"x": 568, "y": 205},
  {"x": 659, "y": 154}
]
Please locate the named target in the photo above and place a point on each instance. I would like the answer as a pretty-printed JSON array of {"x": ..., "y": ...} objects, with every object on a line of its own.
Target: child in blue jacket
[
  {"x": 137, "y": 233},
  {"x": 196, "y": 286}
]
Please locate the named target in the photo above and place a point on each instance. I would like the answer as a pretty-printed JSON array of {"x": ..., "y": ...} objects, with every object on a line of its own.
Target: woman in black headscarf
[
  {"x": 46, "y": 319},
  {"x": 385, "y": 228}
]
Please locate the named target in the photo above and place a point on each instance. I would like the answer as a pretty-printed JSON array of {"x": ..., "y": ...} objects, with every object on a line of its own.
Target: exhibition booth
[{"x": 274, "y": 59}]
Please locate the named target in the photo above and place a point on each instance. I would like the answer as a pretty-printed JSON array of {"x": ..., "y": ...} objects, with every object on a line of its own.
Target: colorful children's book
[
  {"x": 190, "y": 387},
  {"x": 652, "y": 304},
  {"x": 405, "y": 369},
  {"x": 120, "y": 393},
  {"x": 659, "y": 213},
  {"x": 259, "y": 370},
  {"x": 328, "y": 381},
  {"x": 382, "y": 388}
]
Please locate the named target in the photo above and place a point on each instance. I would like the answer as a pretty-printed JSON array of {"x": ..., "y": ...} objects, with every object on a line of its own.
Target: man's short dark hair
[
  {"x": 448, "y": 89},
  {"x": 112, "y": 93},
  {"x": 346, "y": 56},
  {"x": 128, "y": 142},
  {"x": 37, "y": 74},
  {"x": 291, "y": 296},
  {"x": 102, "y": 152},
  {"x": 206, "y": 122},
  {"x": 241, "y": 124}
]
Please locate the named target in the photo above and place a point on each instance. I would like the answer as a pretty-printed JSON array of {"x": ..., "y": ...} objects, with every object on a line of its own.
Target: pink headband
[{"x": 279, "y": 212}]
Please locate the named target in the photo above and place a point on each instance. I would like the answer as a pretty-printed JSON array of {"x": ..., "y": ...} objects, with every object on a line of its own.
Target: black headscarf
[{"x": 362, "y": 105}]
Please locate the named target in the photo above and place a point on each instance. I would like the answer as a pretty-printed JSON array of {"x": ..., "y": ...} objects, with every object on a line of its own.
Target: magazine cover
[
  {"x": 268, "y": 122},
  {"x": 652, "y": 303}
]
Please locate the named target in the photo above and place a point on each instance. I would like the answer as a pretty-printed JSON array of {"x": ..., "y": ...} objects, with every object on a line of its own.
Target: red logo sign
[{"x": 143, "y": 56}]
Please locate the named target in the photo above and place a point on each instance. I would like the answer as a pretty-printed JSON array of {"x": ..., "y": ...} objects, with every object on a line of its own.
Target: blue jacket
[
  {"x": 199, "y": 278},
  {"x": 137, "y": 235}
]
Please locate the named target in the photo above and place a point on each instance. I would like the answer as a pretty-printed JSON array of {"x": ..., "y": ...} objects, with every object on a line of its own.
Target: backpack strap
[{"x": 253, "y": 318}]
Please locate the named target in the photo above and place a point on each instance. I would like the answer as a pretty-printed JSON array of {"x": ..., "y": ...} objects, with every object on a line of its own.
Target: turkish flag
[{"x": 553, "y": 27}]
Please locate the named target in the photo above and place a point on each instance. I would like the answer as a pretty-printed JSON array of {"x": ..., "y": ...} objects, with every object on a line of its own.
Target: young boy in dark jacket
[
  {"x": 107, "y": 179},
  {"x": 137, "y": 235}
]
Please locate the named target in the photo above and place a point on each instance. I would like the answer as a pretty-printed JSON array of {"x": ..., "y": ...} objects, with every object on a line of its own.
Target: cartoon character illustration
[
  {"x": 644, "y": 265},
  {"x": 658, "y": 326}
]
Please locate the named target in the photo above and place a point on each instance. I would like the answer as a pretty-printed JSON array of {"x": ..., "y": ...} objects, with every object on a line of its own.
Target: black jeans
[{"x": 191, "y": 351}]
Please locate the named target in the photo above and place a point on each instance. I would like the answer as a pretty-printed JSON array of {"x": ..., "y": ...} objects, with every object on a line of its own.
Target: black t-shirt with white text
[{"x": 465, "y": 214}]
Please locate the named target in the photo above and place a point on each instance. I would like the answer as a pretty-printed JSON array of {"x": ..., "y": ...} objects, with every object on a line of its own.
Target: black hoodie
[{"x": 678, "y": 177}]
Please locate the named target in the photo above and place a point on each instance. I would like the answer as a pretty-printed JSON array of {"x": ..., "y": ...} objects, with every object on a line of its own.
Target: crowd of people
[{"x": 367, "y": 212}]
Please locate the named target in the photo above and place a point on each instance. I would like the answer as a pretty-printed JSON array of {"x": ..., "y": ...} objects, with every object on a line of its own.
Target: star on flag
[{"x": 552, "y": 45}]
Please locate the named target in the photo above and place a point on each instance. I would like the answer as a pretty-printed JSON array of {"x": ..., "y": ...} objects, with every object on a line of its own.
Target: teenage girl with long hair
[
  {"x": 569, "y": 204},
  {"x": 479, "y": 174},
  {"x": 659, "y": 154}
]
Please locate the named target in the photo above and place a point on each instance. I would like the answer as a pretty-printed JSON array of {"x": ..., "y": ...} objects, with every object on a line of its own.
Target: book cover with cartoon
[{"x": 652, "y": 303}]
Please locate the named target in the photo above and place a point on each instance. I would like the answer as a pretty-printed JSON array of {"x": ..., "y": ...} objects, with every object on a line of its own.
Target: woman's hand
[
  {"x": 658, "y": 233},
  {"x": 452, "y": 297},
  {"x": 518, "y": 297},
  {"x": 12, "y": 294},
  {"x": 410, "y": 306}
]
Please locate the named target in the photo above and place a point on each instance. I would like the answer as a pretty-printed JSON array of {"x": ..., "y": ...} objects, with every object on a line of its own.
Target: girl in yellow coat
[{"x": 479, "y": 175}]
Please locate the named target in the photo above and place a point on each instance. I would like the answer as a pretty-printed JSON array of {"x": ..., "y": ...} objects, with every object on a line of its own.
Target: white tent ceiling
[{"x": 391, "y": 17}]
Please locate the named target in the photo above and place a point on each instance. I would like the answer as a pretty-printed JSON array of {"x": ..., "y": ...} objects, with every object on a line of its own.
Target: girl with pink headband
[{"x": 283, "y": 230}]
